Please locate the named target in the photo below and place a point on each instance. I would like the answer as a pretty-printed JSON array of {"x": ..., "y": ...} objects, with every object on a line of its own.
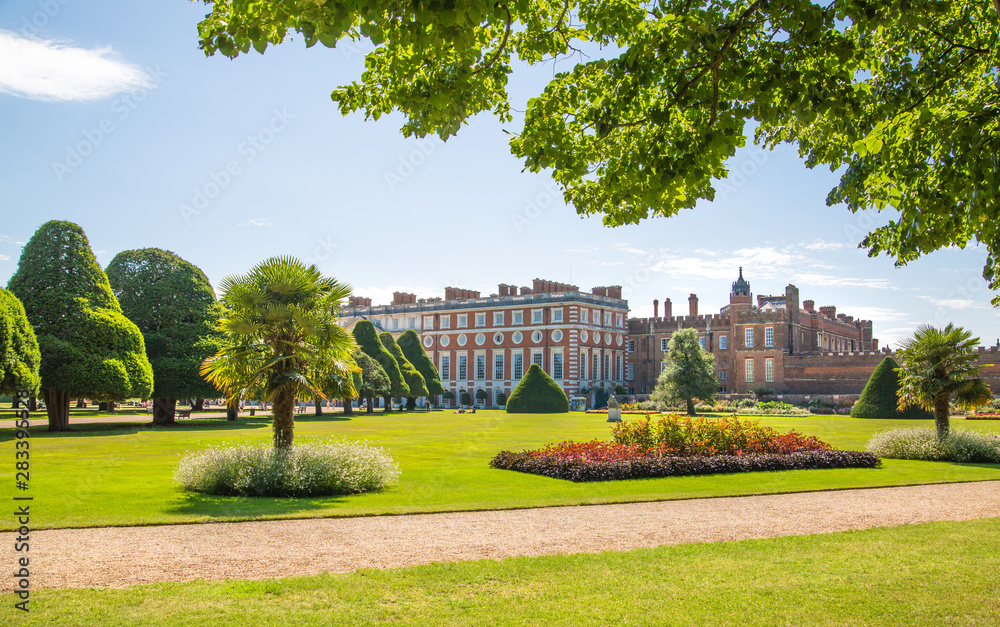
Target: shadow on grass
[
  {"x": 95, "y": 429},
  {"x": 226, "y": 507}
]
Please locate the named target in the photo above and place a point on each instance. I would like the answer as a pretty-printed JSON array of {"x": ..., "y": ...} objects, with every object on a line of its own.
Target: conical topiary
[
  {"x": 537, "y": 393},
  {"x": 879, "y": 398}
]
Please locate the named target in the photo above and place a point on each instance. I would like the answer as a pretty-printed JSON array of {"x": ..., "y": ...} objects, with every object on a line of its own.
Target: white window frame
[
  {"x": 583, "y": 365},
  {"x": 748, "y": 337},
  {"x": 768, "y": 337},
  {"x": 537, "y": 358},
  {"x": 498, "y": 318},
  {"x": 630, "y": 372},
  {"x": 663, "y": 366},
  {"x": 619, "y": 320},
  {"x": 664, "y": 344},
  {"x": 517, "y": 367},
  {"x": 463, "y": 321},
  {"x": 557, "y": 365},
  {"x": 395, "y": 324},
  {"x": 723, "y": 342},
  {"x": 722, "y": 375},
  {"x": 618, "y": 367},
  {"x": 445, "y": 367},
  {"x": 631, "y": 346},
  {"x": 748, "y": 367},
  {"x": 412, "y": 321},
  {"x": 595, "y": 372},
  {"x": 498, "y": 366},
  {"x": 701, "y": 342},
  {"x": 480, "y": 366},
  {"x": 583, "y": 315},
  {"x": 517, "y": 317},
  {"x": 463, "y": 368},
  {"x": 445, "y": 321},
  {"x": 557, "y": 314},
  {"x": 537, "y": 316},
  {"x": 769, "y": 370},
  {"x": 428, "y": 323},
  {"x": 607, "y": 318},
  {"x": 607, "y": 367},
  {"x": 481, "y": 319}
]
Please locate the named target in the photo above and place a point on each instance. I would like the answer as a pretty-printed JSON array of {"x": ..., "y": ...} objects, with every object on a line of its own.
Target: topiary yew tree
[
  {"x": 89, "y": 348},
  {"x": 367, "y": 337},
  {"x": 409, "y": 343},
  {"x": 880, "y": 397},
  {"x": 174, "y": 305},
  {"x": 537, "y": 393},
  {"x": 414, "y": 380},
  {"x": 20, "y": 357}
]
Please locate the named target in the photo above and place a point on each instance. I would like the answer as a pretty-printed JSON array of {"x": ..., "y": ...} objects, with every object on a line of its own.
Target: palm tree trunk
[
  {"x": 283, "y": 421},
  {"x": 319, "y": 407},
  {"x": 163, "y": 410},
  {"x": 57, "y": 408},
  {"x": 941, "y": 416},
  {"x": 232, "y": 410}
]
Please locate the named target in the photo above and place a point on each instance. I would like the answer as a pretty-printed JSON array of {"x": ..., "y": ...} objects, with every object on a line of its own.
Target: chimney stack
[
  {"x": 656, "y": 309},
  {"x": 693, "y": 304},
  {"x": 668, "y": 309}
]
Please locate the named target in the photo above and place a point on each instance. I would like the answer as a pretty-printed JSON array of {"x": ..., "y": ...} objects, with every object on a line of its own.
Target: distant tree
[
  {"x": 464, "y": 398},
  {"x": 448, "y": 396},
  {"x": 340, "y": 385},
  {"x": 937, "y": 366},
  {"x": 689, "y": 372},
  {"x": 20, "y": 357},
  {"x": 174, "y": 305},
  {"x": 414, "y": 380},
  {"x": 761, "y": 392},
  {"x": 537, "y": 393},
  {"x": 89, "y": 348},
  {"x": 501, "y": 399},
  {"x": 880, "y": 398},
  {"x": 374, "y": 381},
  {"x": 409, "y": 343},
  {"x": 482, "y": 396},
  {"x": 367, "y": 338},
  {"x": 281, "y": 329}
]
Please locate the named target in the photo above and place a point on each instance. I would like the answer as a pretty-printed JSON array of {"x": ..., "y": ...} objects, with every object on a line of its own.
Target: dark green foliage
[
  {"x": 880, "y": 397},
  {"x": 501, "y": 399},
  {"x": 648, "y": 467},
  {"x": 537, "y": 393},
  {"x": 409, "y": 343},
  {"x": 174, "y": 305},
  {"x": 19, "y": 354},
  {"x": 414, "y": 380},
  {"x": 364, "y": 333},
  {"x": 374, "y": 380},
  {"x": 465, "y": 398},
  {"x": 689, "y": 373},
  {"x": 89, "y": 348}
]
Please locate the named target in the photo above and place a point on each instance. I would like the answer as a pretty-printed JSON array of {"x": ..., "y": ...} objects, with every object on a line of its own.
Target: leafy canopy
[
  {"x": 900, "y": 93},
  {"x": 173, "y": 304},
  {"x": 414, "y": 380},
  {"x": 880, "y": 397},
  {"x": 89, "y": 348},
  {"x": 413, "y": 350},
  {"x": 689, "y": 372},
  {"x": 282, "y": 335},
  {"x": 368, "y": 341},
  {"x": 19, "y": 354}
]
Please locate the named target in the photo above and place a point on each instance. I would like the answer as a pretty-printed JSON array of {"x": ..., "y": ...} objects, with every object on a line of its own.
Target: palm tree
[
  {"x": 282, "y": 330},
  {"x": 937, "y": 366}
]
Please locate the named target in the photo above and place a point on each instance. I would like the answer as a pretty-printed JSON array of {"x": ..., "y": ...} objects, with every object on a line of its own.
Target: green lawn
[
  {"x": 119, "y": 474},
  {"x": 931, "y": 574}
]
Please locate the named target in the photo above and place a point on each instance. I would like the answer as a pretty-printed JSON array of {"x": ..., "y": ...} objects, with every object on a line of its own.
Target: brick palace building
[{"x": 586, "y": 340}]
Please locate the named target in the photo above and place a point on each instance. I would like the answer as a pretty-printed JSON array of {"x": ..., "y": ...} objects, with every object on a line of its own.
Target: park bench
[
  {"x": 182, "y": 413},
  {"x": 300, "y": 409}
]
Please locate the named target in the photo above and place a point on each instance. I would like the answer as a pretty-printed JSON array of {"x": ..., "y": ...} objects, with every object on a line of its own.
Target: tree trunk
[
  {"x": 199, "y": 404},
  {"x": 941, "y": 416},
  {"x": 371, "y": 405},
  {"x": 80, "y": 404},
  {"x": 57, "y": 408},
  {"x": 33, "y": 404},
  {"x": 163, "y": 410},
  {"x": 690, "y": 404},
  {"x": 232, "y": 410},
  {"x": 388, "y": 403},
  {"x": 348, "y": 407},
  {"x": 411, "y": 402},
  {"x": 108, "y": 406},
  {"x": 319, "y": 407},
  {"x": 283, "y": 421},
  {"x": 15, "y": 403}
]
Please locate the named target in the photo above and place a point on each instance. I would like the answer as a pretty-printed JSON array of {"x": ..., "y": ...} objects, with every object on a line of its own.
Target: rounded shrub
[
  {"x": 879, "y": 398},
  {"x": 537, "y": 393},
  {"x": 925, "y": 445},
  {"x": 312, "y": 469}
]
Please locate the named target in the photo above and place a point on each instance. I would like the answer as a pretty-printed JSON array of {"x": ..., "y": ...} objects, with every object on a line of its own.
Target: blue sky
[{"x": 115, "y": 120}]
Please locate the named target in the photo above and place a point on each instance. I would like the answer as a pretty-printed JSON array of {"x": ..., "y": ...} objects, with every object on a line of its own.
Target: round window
[
  {"x": 536, "y": 337},
  {"x": 607, "y": 338},
  {"x": 584, "y": 336},
  {"x": 445, "y": 340},
  {"x": 498, "y": 338},
  {"x": 462, "y": 340},
  {"x": 480, "y": 339},
  {"x": 597, "y": 339},
  {"x": 619, "y": 339},
  {"x": 557, "y": 336},
  {"x": 517, "y": 337},
  {"x": 428, "y": 341}
]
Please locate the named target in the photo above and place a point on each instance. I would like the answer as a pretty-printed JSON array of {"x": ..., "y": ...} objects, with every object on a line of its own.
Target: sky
[{"x": 115, "y": 120}]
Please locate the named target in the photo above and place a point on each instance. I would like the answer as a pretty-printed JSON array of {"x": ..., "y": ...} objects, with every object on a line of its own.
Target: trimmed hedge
[
  {"x": 580, "y": 470},
  {"x": 537, "y": 393},
  {"x": 879, "y": 398},
  {"x": 364, "y": 332},
  {"x": 414, "y": 380}
]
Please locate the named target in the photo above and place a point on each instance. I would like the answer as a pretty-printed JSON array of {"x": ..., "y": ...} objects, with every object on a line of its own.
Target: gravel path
[{"x": 118, "y": 557}]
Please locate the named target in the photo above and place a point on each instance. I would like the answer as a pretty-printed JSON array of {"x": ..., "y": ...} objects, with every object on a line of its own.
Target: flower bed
[
  {"x": 983, "y": 417},
  {"x": 678, "y": 445}
]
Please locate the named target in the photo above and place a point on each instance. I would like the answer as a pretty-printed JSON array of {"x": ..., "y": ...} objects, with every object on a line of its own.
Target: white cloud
[
  {"x": 257, "y": 222},
  {"x": 4, "y": 258},
  {"x": 823, "y": 245},
  {"x": 53, "y": 71}
]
